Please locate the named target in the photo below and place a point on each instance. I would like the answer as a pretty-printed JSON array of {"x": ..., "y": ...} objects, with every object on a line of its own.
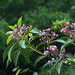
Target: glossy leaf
[
  {"x": 6, "y": 51},
  {"x": 11, "y": 27},
  {"x": 9, "y": 39},
  {"x": 35, "y": 73},
  {"x": 27, "y": 55},
  {"x": 15, "y": 57},
  {"x": 7, "y": 33},
  {"x": 25, "y": 70},
  {"x": 8, "y": 62},
  {"x": 69, "y": 56},
  {"x": 70, "y": 70},
  {"x": 38, "y": 59},
  {"x": 60, "y": 40},
  {"x": 35, "y": 30},
  {"x": 30, "y": 27},
  {"x": 11, "y": 50},
  {"x": 22, "y": 43},
  {"x": 34, "y": 37},
  {"x": 30, "y": 34},
  {"x": 68, "y": 41},
  {"x": 46, "y": 64},
  {"x": 14, "y": 69},
  {"x": 52, "y": 67},
  {"x": 18, "y": 71},
  {"x": 20, "y": 21},
  {"x": 59, "y": 65},
  {"x": 42, "y": 43}
]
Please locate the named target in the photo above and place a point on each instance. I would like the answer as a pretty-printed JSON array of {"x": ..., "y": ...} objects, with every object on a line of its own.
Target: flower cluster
[
  {"x": 18, "y": 32},
  {"x": 46, "y": 37},
  {"x": 52, "y": 51},
  {"x": 69, "y": 30}
]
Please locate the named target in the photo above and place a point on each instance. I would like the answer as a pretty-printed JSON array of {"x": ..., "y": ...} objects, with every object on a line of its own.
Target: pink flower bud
[
  {"x": 46, "y": 53},
  {"x": 40, "y": 39},
  {"x": 23, "y": 25},
  {"x": 15, "y": 26},
  {"x": 47, "y": 48},
  {"x": 63, "y": 51},
  {"x": 66, "y": 27},
  {"x": 11, "y": 32},
  {"x": 51, "y": 63},
  {"x": 43, "y": 30},
  {"x": 15, "y": 30},
  {"x": 48, "y": 29},
  {"x": 70, "y": 36},
  {"x": 40, "y": 35},
  {"x": 10, "y": 36},
  {"x": 13, "y": 37},
  {"x": 27, "y": 26},
  {"x": 67, "y": 23},
  {"x": 56, "y": 34},
  {"x": 60, "y": 54},
  {"x": 43, "y": 33}
]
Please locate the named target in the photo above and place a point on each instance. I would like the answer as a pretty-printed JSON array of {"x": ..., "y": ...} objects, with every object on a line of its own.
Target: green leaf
[
  {"x": 14, "y": 69},
  {"x": 11, "y": 50},
  {"x": 38, "y": 59},
  {"x": 69, "y": 55},
  {"x": 30, "y": 27},
  {"x": 18, "y": 71},
  {"x": 9, "y": 39},
  {"x": 50, "y": 61},
  {"x": 11, "y": 27},
  {"x": 30, "y": 34},
  {"x": 46, "y": 64},
  {"x": 59, "y": 65},
  {"x": 34, "y": 37},
  {"x": 35, "y": 73},
  {"x": 68, "y": 41},
  {"x": 6, "y": 51},
  {"x": 8, "y": 62},
  {"x": 70, "y": 70},
  {"x": 52, "y": 67},
  {"x": 64, "y": 37},
  {"x": 25, "y": 70},
  {"x": 20, "y": 21},
  {"x": 27, "y": 55},
  {"x": 35, "y": 30},
  {"x": 42, "y": 43},
  {"x": 22, "y": 43},
  {"x": 60, "y": 40},
  {"x": 72, "y": 59},
  {"x": 7, "y": 33},
  {"x": 15, "y": 57}
]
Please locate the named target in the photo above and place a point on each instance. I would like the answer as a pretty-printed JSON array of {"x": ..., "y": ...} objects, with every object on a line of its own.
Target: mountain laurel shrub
[{"x": 58, "y": 59}]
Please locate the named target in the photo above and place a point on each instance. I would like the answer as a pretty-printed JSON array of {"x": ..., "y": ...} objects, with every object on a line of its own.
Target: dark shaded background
[{"x": 39, "y": 13}]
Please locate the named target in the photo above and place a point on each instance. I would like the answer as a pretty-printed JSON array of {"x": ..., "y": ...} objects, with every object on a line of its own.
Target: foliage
[
  {"x": 40, "y": 14},
  {"x": 57, "y": 59}
]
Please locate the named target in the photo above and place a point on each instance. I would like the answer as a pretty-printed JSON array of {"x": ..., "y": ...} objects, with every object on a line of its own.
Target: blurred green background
[{"x": 38, "y": 13}]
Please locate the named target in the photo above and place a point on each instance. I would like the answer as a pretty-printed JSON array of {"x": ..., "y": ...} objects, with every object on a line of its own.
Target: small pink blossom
[
  {"x": 46, "y": 53},
  {"x": 10, "y": 36},
  {"x": 70, "y": 36},
  {"x": 13, "y": 37},
  {"x": 15, "y": 26},
  {"x": 11, "y": 32},
  {"x": 67, "y": 23}
]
